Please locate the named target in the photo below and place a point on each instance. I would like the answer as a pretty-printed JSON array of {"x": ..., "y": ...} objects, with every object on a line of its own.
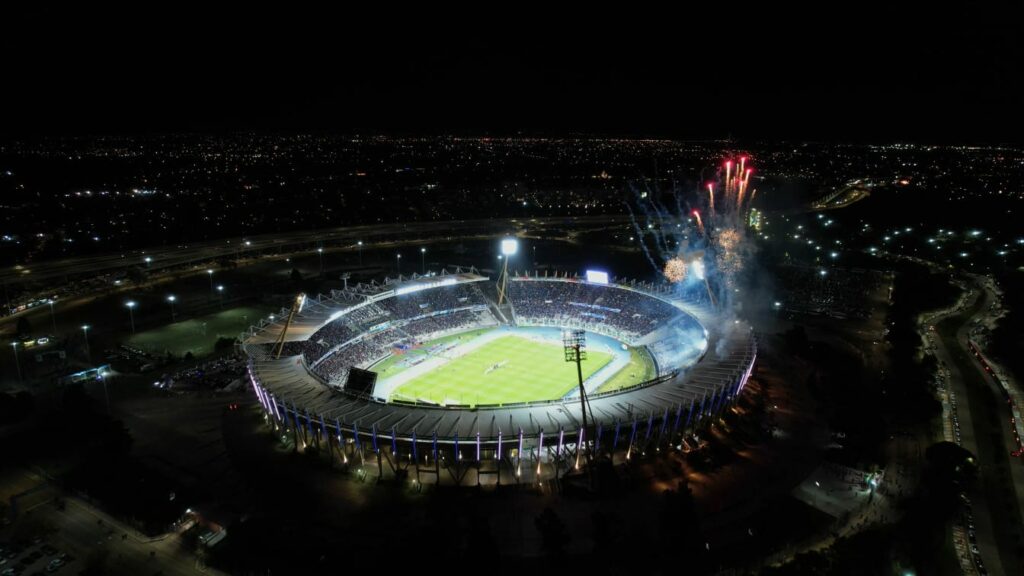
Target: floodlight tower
[
  {"x": 698, "y": 269},
  {"x": 574, "y": 343},
  {"x": 300, "y": 301},
  {"x": 509, "y": 246}
]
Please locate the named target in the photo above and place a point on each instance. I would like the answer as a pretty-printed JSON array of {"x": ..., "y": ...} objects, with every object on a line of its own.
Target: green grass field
[
  {"x": 397, "y": 364},
  {"x": 639, "y": 369},
  {"x": 531, "y": 371},
  {"x": 197, "y": 335}
]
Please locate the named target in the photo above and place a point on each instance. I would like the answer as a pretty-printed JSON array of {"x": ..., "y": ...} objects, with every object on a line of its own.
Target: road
[
  {"x": 346, "y": 238},
  {"x": 984, "y": 428},
  {"x": 84, "y": 531}
]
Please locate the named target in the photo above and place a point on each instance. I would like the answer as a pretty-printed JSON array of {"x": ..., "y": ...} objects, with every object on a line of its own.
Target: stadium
[{"x": 457, "y": 372}]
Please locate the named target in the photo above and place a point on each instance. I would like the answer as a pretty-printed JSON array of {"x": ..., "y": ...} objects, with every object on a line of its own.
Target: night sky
[{"x": 865, "y": 75}]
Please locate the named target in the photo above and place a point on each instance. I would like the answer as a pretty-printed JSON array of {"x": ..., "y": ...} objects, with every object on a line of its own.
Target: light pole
[
  {"x": 106, "y": 394},
  {"x": 17, "y": 364},
  {"x": 209, "y": 272},
  {"x": 53, "y": 318},
  {"x": 148, "y": 261},
  {"x": 320, "y": 251},
  {"x": 220, "y": 294},
  {"x": 131, "y": 313},
  {"x": 171, "y": 299},
  {"x": 85, "y": 332},
  {"x": 398, "y": 264},
  {"x": 360, "y": 252},
  {"x": 574, "y": 343},
  {"x": 509, "y": 246},
  {"x": 423, "y": 260}
]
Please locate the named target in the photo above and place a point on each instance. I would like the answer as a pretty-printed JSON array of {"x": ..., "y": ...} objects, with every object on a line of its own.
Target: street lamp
[
  {"x": 360, "y": 243},
  {"x": 220, "y": 294},
  {"x": 423, "y": 260},
  {"x": 53, "y": 318},
  {"x": 171, "y": 299},
  {"x": 209, "y": 272},
  {"x": 131, "y": 313},
  {"x": 16, "y": 362},
  {"x": 106, "y": 394},
  {"x": 85, "y": 332},
  {"x": 148, "y": 261},
  {"x": 320, "y": 251},
  {"x": 398, "y": 264}
]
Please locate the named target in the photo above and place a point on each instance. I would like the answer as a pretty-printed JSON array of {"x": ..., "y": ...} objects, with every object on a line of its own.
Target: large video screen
[{"x": 597, "y": 277}]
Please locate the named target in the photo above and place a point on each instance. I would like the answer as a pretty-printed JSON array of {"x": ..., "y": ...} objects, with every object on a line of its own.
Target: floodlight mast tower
[
  {"x": 509, "y": 246},
  {"x": 300, "y": 300},
  {"x": 574, "y": 343}
]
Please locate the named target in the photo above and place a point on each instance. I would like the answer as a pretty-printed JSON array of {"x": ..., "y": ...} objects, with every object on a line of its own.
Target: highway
[
  {"x": 330, "y": 239},
  {"x": 984, "y": 427}
]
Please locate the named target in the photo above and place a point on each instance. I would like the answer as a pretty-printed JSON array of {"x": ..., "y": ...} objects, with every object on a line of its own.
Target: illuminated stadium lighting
[
  {"x": 698, "y": 269},
  {"x": 566, "y": 303},
  {"x": 509, "y": 246}
]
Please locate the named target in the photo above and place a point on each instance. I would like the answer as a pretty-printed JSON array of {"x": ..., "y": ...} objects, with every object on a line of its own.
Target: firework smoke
[{"x": 693, "y": 253}]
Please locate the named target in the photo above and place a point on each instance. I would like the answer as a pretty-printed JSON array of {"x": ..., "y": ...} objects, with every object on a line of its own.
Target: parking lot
[{"x": 35, "y": 557}]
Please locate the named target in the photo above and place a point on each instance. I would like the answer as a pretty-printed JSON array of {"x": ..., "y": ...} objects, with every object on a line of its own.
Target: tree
[
  {"x": 223, "y": 343},
  {"x": 136, "y": 275},
  {"x": 552, "y": 530},
  {"x": 296, "y": 275},
  {"x": 796, "y": 339},
  {"x": 24, "y": 327}
]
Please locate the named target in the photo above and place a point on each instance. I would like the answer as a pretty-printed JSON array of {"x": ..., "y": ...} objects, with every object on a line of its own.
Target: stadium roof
[
  {"x": 322, "y": 309},
  {"x": 290, "y": 383}
]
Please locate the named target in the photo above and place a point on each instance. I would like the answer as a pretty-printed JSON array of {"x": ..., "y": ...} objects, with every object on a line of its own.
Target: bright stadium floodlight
[
  {"x": 509, "y": 246},
  {"x": 698, "y": 269}
]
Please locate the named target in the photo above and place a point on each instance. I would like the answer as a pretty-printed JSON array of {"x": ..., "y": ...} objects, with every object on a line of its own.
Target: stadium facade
[{"x": 702, "y": 365}]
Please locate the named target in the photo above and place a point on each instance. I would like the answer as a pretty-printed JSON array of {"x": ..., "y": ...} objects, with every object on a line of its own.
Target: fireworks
[
  {"x": 700, "y": 224},
  {"x": 712, "y": 250},
  {"x": 736, "y": 184},
  {"x": 675, "y": 270},
  {"x": 728, "y": 255}
]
